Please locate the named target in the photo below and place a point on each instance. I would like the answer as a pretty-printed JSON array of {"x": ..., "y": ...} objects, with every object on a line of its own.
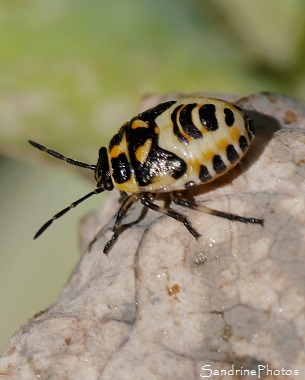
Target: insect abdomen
[{"x": 210, "y": 135}]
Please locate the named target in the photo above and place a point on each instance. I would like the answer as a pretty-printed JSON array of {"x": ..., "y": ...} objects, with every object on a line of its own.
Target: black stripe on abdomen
[
  {"x": 186, "y": 122},
  {"x": 232, "y": 154},
  {"x": 207, "y": 115},
  {"x": 176, "y": 129},
  {"x": 218, "y": 164}
]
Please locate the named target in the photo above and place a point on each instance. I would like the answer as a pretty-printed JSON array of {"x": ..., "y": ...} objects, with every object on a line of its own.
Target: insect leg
[
  {"x": 127, "y": 203},
  {"x": 147, "y": 200},
  {"x": 123, "y": 196},
  {"x": 177, "y": 199}
]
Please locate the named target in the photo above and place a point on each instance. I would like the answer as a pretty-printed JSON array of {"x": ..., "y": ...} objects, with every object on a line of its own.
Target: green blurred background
[{"x": 72, "y": 71}]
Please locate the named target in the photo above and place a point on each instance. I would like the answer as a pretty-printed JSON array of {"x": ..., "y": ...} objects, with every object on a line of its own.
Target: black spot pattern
[
  {"x": 154, "y": 112},
  {"x": 243, "y": 143},
  {"x": 121, "y": 171},
  {"x": 232, "y": 155},
  {"x": 159, "y": 163},
  {"x": 176, "y": 129},
  {"x": 204, "y": 174},
  {"x": 117, "y": 138},
  {"x": 186, "y": 122},
  {"x": 207, "y": 115},
  {"x": 218, "y": 165},
  {"x": 229, "y": 117}
]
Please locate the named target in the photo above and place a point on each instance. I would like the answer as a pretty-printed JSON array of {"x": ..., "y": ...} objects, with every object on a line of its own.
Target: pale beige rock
[{"x": 162, "y": 305}]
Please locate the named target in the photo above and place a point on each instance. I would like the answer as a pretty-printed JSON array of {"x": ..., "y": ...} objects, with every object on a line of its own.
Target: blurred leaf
[
  {"x": 270, "y": 30},
  {"x": 72, "y": 71}
]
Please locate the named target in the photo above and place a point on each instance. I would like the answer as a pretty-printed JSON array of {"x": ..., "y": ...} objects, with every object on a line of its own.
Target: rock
[{"x": 162, "y": 305}]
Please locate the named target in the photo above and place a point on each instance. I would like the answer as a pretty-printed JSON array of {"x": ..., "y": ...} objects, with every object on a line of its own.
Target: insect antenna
[
  {"x": 98, "y": 190},
  {"x": 61, "y": 157}
]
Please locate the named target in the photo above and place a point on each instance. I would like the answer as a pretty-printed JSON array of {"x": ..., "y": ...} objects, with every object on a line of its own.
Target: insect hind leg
[
  {"x": 178, "y": 200},
  {"x": 147, "y": 200}
]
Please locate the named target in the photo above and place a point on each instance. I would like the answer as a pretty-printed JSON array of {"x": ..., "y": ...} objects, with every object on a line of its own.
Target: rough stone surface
[{"x": 162, "y": 305}]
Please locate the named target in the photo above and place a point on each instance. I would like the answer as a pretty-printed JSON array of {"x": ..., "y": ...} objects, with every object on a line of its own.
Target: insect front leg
[
  {"x": 127, "y": 203},
  {"x": 147, "y": 200},
  {"x": 123, "y": 196}
]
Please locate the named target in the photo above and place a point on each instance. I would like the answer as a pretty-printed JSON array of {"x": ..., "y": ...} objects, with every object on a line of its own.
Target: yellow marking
[
  {"x": 115, "y": 151},
  {"x": 194, "y": 165},
  {"x": 231, "y": 106},
  {"x": 188, "y": 137},
  {"x": 139, "y": 124},
  {"x": 208, "y": 155},
  {"x": 203, "y": 130},
  {"x": 160, "y": 181},
  {"x": 143, "y": 150},
  {"x": 157, "y": 130},
  {"x": 222, "y": 144},
  {"x": 184, "y": 134},
  {"x": 235, "y": 133},
  {"x": 130, "y": 186}
]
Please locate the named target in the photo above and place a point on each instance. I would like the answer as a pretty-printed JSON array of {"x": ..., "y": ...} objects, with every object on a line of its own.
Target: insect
[{"x": 169, "y": 148}]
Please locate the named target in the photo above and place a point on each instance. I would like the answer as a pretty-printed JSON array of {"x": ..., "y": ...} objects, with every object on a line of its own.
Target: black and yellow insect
[{"x": 169, "y": 148}]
